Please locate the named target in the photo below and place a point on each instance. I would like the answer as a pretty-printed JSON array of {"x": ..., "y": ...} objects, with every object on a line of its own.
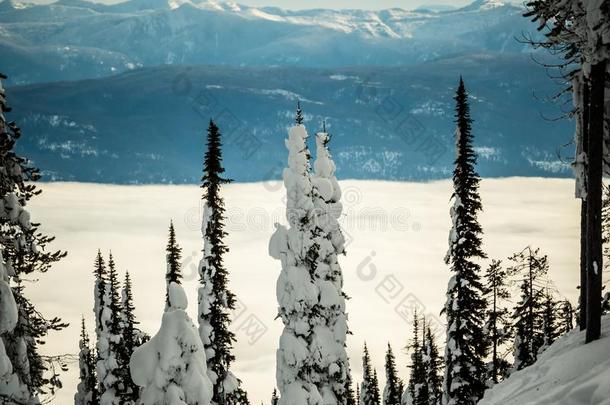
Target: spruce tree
[
  {"x": 417, "y": 387},
  {"x": 131, "y": 340},
  {"x": 498, "y": 323},
  {"x": 110, "y": 341},
  {"x": 171, "y": 366},
  {"x": 531, "y": 267},
  {"x": 309, "y": 287},
  {"x": 465, "y": 371},
  {"x": 433, "y": 368},
  {"x": 216, "y": 301},
  {"x": 369, "y": 389},
  {"x": 24, "y": 250},
  {"x": 37, "y": 375},
  {"x": 329, "y": 244},
  {"x": 86, "y": 391},
  {"x": 566, "y": 322},
  {"x": 375, "y": 392},
  {"x": 173, "y": 259},
  {"x": 550, "y": 327},
  {"x": 392, "y": 392}
]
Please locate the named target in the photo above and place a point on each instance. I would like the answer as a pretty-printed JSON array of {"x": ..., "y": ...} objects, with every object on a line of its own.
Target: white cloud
[{"x": 398, "y": 232}]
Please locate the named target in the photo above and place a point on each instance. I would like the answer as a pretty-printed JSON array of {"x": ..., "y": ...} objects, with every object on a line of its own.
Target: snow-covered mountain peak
[{"x": 484, "y": 5}]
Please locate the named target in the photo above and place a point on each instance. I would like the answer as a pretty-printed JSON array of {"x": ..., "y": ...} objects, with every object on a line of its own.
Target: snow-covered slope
[{"x": 567, "y": 373}]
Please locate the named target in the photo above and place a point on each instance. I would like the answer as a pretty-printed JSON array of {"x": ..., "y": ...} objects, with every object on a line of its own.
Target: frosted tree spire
[
  {"x": 312, "y": 362},
  {"x": 299, "y": 114}
]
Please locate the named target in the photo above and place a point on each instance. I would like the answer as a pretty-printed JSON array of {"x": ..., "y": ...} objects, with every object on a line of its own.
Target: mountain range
[
  {"x": 76, "y": 39},
  {"x": 123, "y": 93}
]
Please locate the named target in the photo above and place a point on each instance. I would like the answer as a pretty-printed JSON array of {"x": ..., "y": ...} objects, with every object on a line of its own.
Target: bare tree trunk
[
  {"x": 594, "y": 201},
  {"x": 584, "y": 128},
  {"x": 582, "y": 317}
]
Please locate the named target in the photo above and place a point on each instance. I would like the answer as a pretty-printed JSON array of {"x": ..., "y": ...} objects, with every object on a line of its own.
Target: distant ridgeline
[{"x": 137, "y": 114}]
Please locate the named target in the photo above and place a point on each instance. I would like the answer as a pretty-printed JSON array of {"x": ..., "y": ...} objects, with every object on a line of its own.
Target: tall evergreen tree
[
  {"x": 392, "y": 392},
  {"x": 531, "y": 266},
  {"x": 417, "y": 388},
  {"x": 433, "y": 363},
  {"x": 24, "y": 251},
  {"x": 550, "y": 327},
  {"x": 375, "y": 393},
  {"x": 86, "y": 391},
  {"x": 465, "y": 352},
  {"x": 173, "y": 259},
  {"x": 369, "y": 388},
  {"x": 498, "y": 324},
  {"x": 329, "y": 244},
  {"x": 131, "y": 339},
  {"x": 578, "y": 30},
  {"x": 216, "y": 301},
  {"x": 110, "y": 341},
  {"x": 309, "y": 287}
]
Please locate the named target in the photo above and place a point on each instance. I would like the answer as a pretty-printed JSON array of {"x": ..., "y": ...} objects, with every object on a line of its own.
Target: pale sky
[
  {"x": 358, "y": 4},
  {"x": 333, "y": 4}
]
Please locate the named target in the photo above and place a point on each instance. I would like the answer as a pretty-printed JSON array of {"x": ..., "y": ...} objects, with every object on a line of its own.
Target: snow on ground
[
  {"x": 396, "y": 239},
  {"x": 567, "y": 373}
]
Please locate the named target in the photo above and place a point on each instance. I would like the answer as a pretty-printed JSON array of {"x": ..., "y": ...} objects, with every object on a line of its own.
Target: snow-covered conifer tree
[
  {"x": 216, "y": 301},
  {"x": 10, "y": 386},
  {"x": 171, "y": 366},
  {"x": 24, "y": 250},
  {"x": 173, "y": 258},
  {"x": 530, "y": 266},
  {"x": 498, "y": 323},
  {"x": 566, "y": 322},
  {"x": 432, "y": 364},
  {"x": 392, "y": 393},
  {"x": 550, "y": 327},
  {"x": 329, "y": 337},
  {"x": 369, "y": 388},
  {"x": 109, "y": 338},
  {"x": 131, "y": 339},
  {"x": 465, "y": 350},
  {"x": 312, "y": 362},
  {"x": 375, "y": 392},
  {"x": 86, "y": 391}
]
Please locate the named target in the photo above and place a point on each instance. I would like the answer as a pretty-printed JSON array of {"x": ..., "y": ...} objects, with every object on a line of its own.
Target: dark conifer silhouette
[
  {"x": 392, "y": 393},
  {"x": 216, "y": 301},
  {"x": 173, "y": 259},
  {"x": 465, "y": 371}
]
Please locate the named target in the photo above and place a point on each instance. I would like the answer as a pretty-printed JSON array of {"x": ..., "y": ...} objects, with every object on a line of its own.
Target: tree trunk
[
  {"x": 582, "y": 317},
  {"x": 594, "y": 201},
  {"x": 584, "y": 128}
]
